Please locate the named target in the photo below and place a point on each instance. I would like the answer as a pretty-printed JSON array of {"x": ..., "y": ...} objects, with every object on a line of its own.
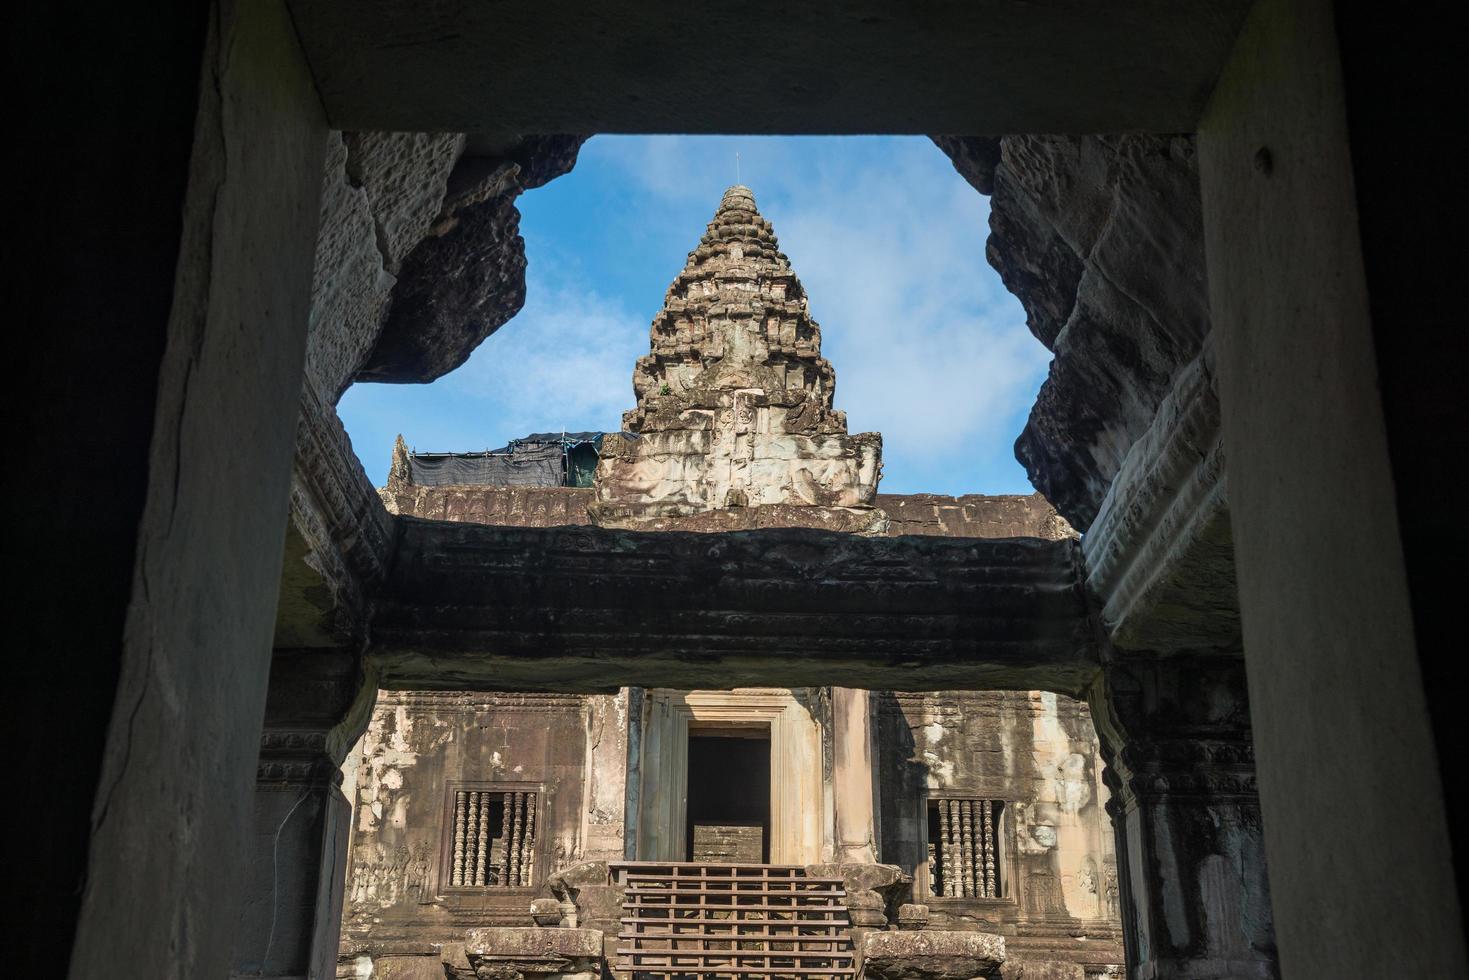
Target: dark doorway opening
[{"x": 729, "y": 797}]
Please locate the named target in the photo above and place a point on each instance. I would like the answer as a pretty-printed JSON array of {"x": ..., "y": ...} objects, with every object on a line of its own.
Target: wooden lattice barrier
[{"x": 732, "y": 920}]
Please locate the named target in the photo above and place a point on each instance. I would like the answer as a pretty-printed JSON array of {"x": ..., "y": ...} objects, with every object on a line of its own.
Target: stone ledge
[
  {"x": 515, "y": 952},
  {"x": 529, "y": 943},
  {"x": 932, "y": 955},
  {"x": 973, "y": 516},
  {"x": 1033, "y": 969},
  {"x": 928, "y": 514},
  {"x": 846, "y": 520}
]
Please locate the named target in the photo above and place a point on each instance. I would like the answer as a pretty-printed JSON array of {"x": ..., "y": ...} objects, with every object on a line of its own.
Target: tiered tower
[{"x": 734, "y": 401}]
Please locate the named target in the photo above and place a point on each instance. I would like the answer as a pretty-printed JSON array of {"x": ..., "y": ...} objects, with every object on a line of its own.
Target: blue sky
[{"x": 929, "y": 348}]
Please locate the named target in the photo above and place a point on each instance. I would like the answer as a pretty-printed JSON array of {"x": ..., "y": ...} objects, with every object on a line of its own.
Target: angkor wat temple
[{"x": 1214, "y": 659}]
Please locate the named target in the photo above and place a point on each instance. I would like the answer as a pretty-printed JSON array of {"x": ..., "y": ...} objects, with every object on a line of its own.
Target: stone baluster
[
  {"x": 989, "y": 850},
  {"x": 528, "y": 844},
  {"x": 461, "y": 814},
  {"x": 472, "y": 869},
  {"x": 516, "y": 806},
  {"x": 966, "y": 870},
  {"x": 954, "y": 850},
  {"x": 482, "y": 856},
  {"x": 944, "y": 885}
]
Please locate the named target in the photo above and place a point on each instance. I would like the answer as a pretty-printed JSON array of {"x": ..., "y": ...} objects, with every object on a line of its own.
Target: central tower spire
[{"x": 734, "y": 400}]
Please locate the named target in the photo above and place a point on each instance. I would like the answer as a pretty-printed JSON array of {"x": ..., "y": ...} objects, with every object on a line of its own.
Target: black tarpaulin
[
  {"x": 526, "y": 466},
  {"x": 542, "y": 459}
]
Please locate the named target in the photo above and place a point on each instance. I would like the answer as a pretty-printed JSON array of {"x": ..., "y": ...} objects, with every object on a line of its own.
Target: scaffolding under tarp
[{"x": 542, "y": 459}]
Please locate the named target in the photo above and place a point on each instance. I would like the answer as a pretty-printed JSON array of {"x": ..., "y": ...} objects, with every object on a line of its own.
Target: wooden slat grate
[{"x": 732, "y": 920}]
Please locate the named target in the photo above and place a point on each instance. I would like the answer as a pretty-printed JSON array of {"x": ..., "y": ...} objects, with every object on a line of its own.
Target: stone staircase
[{"x": 732, "y": 920}]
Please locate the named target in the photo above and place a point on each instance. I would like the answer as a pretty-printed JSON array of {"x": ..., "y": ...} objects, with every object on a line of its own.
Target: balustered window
[
  {"x": 964, "y": 848},
  {"x": 493, "y": 839}
]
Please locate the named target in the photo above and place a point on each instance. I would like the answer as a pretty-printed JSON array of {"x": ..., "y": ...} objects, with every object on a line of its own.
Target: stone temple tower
[{"x": 734, "y": 425}]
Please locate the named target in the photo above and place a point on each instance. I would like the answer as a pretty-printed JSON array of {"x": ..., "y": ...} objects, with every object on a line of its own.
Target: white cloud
[
  {"x": 565, "y": 361},
  {"x": 927, "y": 348}
]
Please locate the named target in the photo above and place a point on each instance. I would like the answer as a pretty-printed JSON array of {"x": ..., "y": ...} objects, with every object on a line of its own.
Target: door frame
[{"x": 796, "y": 795}]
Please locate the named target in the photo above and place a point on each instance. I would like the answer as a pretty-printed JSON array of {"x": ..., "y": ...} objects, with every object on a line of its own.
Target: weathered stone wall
[
  {"x": 418, "y": 746},
  {"x": 1038, "y": 752}
]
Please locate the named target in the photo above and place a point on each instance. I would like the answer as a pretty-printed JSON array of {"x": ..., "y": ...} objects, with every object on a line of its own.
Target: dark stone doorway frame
[{"x": 238, "y": 233}]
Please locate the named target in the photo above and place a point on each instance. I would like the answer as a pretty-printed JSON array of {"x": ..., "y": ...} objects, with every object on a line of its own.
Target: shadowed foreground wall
[
  {"x": 92, "y": 284},
  {"x": 1336, "y": 694},
  {"x": 171, "y": 814},
  {"x": 1399, "y": 77}
]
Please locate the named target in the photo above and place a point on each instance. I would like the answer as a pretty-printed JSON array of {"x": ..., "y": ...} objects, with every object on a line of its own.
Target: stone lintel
[
  {"x": 1059, "y": 67},
  {"x": 1160, "y": 555},
  {"x": 586, "y": 609}
]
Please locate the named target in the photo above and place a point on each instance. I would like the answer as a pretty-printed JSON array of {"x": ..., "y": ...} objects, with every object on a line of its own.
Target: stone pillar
[
  {"x": 873, "y": 890},
  {"x": 174, "y": 338},
  {"x": 1191, "y": 880},
  {"x": 604, "y": 811},
  {"x": 852, "y": 776},
  {"x": 632, "y": 802},
  {"x": 291, "y": 914}
]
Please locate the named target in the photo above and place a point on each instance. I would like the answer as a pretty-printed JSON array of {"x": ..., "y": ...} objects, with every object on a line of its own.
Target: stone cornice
[
  {"x": 296, "y": 757},
  {"x": 339, "y": 514},
  {"x": 482, "y": 701},
  {"x": 1151, "y": 769},
  {"x": 1159, "y": 555}
]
